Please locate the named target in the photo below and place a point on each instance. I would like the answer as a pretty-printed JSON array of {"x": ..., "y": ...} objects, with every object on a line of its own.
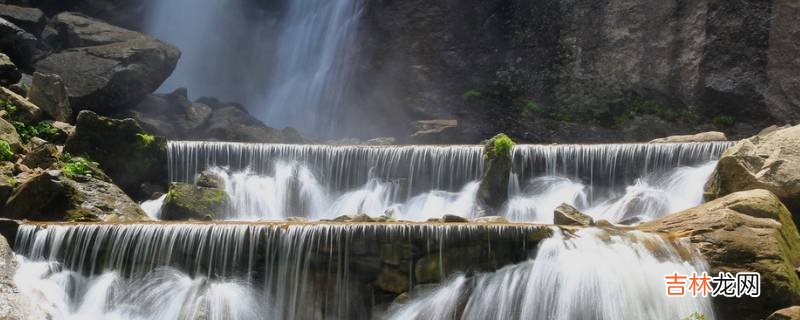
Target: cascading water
[
  {"x": 618, "y": 182},
  {"x": 288, "y": 63}
]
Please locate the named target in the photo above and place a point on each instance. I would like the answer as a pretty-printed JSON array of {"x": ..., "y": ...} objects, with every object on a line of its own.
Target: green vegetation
[
  {"x": 724, "y": 120},
  {"x": 77, "y": 166},
  {"x": 6, "y": 154},
  {"x": 9, "y": 108},
  {"x": 43, "y": 130},
  {"x": 560, "y": 116},
  {"x": 147, "y": 139},
  {"x": 696, "y": 316},
  {"x": 472, "y": 95},
  {"x": 502, "y": 145},
  {"x": 12, "y": 182},
  {"x": 530, "y": 108}
]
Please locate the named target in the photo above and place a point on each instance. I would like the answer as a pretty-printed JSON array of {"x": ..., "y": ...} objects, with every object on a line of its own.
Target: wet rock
[
  {"x": 700, "y": 137},
  {"x": 568, "y": 215},
  {"x": 770, "y": 161},
  {"x": 391, "y": 280},
  {"x": 189, "y": 202},
  {"x": 26, "y": 112},
  {"x": 493, "y": 188},
  {"x": 14, "y": 305},
  {"x": 744, "y": 231},
  {"x": 491, "y": 220},
  {"x": 451, "y": 218},
  {"x": 43, "y": 156},
  {"x": 8, "y": 71},
  {"x": 53, "y": 196},
  {"x": 210, "y": 179},
  {"x": 354, "y": 218},
  {"x": 108, "y": 68},
  {"x": 791, "y": 313},
  {"x": 49, "y": 93},
  {"x": 435, "y": 131},
  {"x": 22, "y": 47},
  {"x": 128, "y": 154},
  {"x": 29, "y": 19},
  {"x": 381, "y": 141}
]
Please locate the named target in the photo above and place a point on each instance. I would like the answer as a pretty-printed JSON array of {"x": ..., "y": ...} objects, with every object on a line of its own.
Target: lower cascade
[{"x": 278, "y": 271}]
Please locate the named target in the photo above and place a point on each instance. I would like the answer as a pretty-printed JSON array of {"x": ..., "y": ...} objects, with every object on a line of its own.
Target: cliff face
[{"x": 583, "y": 70}]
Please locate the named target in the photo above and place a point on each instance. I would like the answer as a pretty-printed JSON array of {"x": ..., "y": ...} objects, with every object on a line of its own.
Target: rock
[
  {"x": 158, "y": 124},
  {"x": 78, "y": 30},
  {"x": 291, "y": 135},
  {"x": 210, "y": 179},
  {"x": 354, "y": 218},
  {"x": 435, "y": 131},
  {"x": 9, "y": 134},
  {"x": 451, "y": 218},
  {"x": 31, "y": 20},
  {"x": 791, "y": 313},
  {"x": 493, "y": 188},
  {"x": 26, "y": 112},
  {"x": 770, "y": 161},
  {"x": 744, "y": 231},
  {"x": 107, "y": 68},
  {"x": 14, "y": 305},
  {"x": 43, "y": 156},
  {"x": 7, "y": 181},
  {"x": 8, "y": 71},
  {"x": 567, "y": 215},
  {"x": 491, "y": 220},
  {"x": 49, "y": 93},
  {"x": 700, "y": 137},
  {"x": 381, "y": 141},
  {"x": 188, "y": 202},
  {"x": 52, "y": 196},
  {"x": 391, "y": 280},
  {"x": 22, "y": 47},
  {"x": 232, "y": 124},
  {"x": 128, "y": 154},
  {"x": 196, "y": 115}
]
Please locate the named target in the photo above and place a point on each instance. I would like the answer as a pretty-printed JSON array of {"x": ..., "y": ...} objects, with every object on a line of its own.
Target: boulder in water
[
  {"x": 49, "y": 93},
  {"x": 791, "y": 313},
  {"x": 699, "y": 137},
  {"x": 451, "y": 218},
  {"x": 568, "y": 215},
  {"x": 768, "y": 161},
  {"x": 190, "y": 202},
  {"x": 748, "y": 231},
  {"x": 128, "y": 154},
  {"x": 52, "y": 196},
  {"x": 493, "y": 188}
]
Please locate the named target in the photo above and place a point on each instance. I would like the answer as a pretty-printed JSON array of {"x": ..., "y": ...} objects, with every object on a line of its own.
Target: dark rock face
[
  {"x": 31, "y": 20},
  {"x": 745, "y": 231},
  {"x": 124, "y": 150},
  {"x": 537, "y": 68},
  {"x": 107, "y": 68}
]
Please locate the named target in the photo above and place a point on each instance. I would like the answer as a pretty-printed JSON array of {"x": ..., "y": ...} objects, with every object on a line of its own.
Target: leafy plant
[
  {"x": 147, "y": 139},
  {"x": 530, "y": 107},
  {"x": 502, "y": 145},
  {"x": 6, "y": 154},
  {"x": 724, "y": 120},
  {"x": 9, "y": 107},
  {"x": 472, "y": 95},
  {"x": 76, "y": 166},
  {"x": 43, "y": 130}
]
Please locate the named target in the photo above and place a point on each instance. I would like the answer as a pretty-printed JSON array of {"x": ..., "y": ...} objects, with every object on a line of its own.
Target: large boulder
[
  {"x": 22, "y": 47},
  {"x": 107, "y": 68},
  {"x": 14, "y": 305},
  {"x": 49, "y": 93},
  {"x": 9, "y": 74},
  {"x": 768, "y": 161},
  {"x": 128, "y": 154},
  {"x": 748, "y": 231},
  {"x": 54, "y": 196},
  {"x": 568, "y": 215},
  {"x": 190, "y": 202},
  {"x": 493, "y": 188},
  {"x": 31, "y": 20}
]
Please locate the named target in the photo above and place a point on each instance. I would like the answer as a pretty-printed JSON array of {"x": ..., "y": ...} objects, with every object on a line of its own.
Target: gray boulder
[
  {"x": 493, "y": 188},
  {"x": 189, "y": 202},
  {"x": 77, "y": 30},
  {"x": 8, "y": 71},
  {"x": 9, "y": 134},
  {"x": 22, "y": 47},
  {"x": 26, "y": 111},
  {"x": 49, "y": 93},
  {"x": 30, "y": 19}
]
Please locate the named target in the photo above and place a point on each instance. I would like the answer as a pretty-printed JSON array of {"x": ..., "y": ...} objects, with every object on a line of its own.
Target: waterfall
[
  {"x": 616, "y": 182},
  {"x": 590, "y": 275},
  {"x": 287, "y": 63}
]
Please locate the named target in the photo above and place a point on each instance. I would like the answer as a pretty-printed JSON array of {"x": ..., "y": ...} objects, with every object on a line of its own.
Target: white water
[
  {"x": 287, "y": 62},
  {"x": 625, "y": 182},
  {"x": 591, "y": 275}
]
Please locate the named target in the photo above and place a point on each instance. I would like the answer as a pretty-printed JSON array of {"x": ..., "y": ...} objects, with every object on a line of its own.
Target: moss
[
  {"x": 560, "y": 116},
  {"x": 6, "y": 153},
  {"x": 184, "y": 201},
  {"x": 77, "y": 166},
  {"x": 724, "y": 120},
  {"x": 146, "y": 139},
  {"x": 530, "y": 108},
  {"x": 81, "y": 214},
  {"x": 696, "y": 316},
  {"x": 9, "y": 108},
  {"x": 502, "y": 145},
  {"x": 472, "y": 95}
]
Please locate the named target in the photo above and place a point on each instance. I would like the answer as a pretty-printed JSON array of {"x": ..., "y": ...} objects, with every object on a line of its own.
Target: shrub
[
  {"x": 472, "y": 95},
  {"x": 43, "y": 130},
  {"x": 76, "y": 166},
  {"x": 6, "y": 154},
  {"x": 147, "y": 139},
  {"x": 502, "y": 145},
  {"x": 530, "y": 107},
  {"x": 724, "y": 120}
]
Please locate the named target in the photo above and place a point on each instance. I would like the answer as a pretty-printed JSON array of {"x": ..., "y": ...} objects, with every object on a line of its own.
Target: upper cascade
[{"x": 277, "y": 181}]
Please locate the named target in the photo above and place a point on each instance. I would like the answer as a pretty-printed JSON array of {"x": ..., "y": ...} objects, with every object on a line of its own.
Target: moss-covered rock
[
  {"x": 493, "y": 189},
  {"x": 768, "y": 161},
  {"x": 128, "y": 154},
  {"x": 185, "y": 202},
  {"x": 748, "y": 231}
]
